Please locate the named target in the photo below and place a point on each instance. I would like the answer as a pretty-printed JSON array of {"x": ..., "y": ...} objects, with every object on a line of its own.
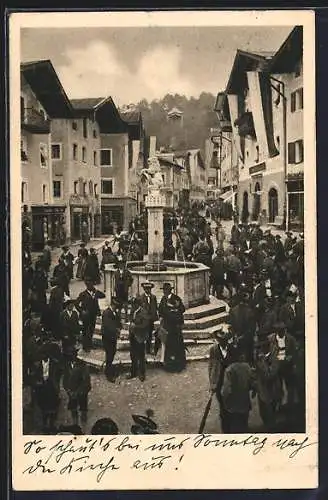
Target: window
[
  {"x": 295, "y": 152},
  {"x": 95, "y": 134},
  {"x": 44, "y": 193},
  {"x": 106, "y": 157},
  {"x": 299, "y": 151},
  {"x": 75, "y": 186},
  {"x": 296, "y": 100},
  {"x": 56, "y": 189},
  {"x": 107, "y": 187},
  {"x": 90, "y": 188},
  {"x": 84, "y": 154},
  {"x": 74, "y": 151},
  {"x": 293, "y": 102},
  {"x": 95, "y": 187},
  {"x": 24, "y": 192},
  {"x": 56, "y": 151},
  {"x": 85, "y": 128},
  {"x": 95, "y": 158},
  {"x": 257, "y": 156},
  {"x": 74, "y": 125},
  {"x": 24, "y": 156},
  {"x": 84, "y": 188},
  {"x": 44, "y": 155}
]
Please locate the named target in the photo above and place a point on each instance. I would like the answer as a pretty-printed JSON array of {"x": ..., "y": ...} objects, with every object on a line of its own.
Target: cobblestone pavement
[{"x": 178, "y": 401}]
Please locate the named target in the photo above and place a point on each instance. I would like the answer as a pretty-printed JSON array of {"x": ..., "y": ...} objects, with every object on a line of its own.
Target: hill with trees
[{"x": 198, "y": 118}]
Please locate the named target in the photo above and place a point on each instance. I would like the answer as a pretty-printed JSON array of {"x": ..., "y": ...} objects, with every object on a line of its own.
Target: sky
[{"x": 131, "y": 64}]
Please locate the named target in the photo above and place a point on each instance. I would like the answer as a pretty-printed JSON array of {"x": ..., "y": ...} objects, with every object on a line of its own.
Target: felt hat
[
  {"x": 147, "y": 284},
  {"x": 105, "y": 426},
  {"x": 65, "y": 248},
  {"x": 167, "y": 286},
  {"x": 68, "y": 300},
  {"x": 143, "y": 425},
  {"x": 279, "y": 325}
]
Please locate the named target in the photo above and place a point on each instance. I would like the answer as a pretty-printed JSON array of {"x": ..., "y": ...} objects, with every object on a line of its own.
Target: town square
[{"x": 162, "y": 237}]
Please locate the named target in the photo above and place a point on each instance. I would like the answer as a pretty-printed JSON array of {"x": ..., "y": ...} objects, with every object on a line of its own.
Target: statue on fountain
[{"x": 153, "y": 174}]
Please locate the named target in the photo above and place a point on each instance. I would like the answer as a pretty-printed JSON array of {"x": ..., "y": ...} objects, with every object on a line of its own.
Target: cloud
[{"x": 96, "y": 70}]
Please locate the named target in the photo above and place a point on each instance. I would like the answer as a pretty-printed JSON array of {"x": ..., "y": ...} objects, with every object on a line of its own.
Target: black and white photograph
[{"x": 165, "y": 220}]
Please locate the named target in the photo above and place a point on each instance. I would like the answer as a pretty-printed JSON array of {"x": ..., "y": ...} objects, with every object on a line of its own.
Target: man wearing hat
[
  {"x": 123, "y": 280},
  {"x": 110, "y": 331},
  {"x": 289, "y": 242},
  {"x": 88, "y": 307},
  {"x": 45, "y": 376},
  {"x": 220, "y": 356},
  {"x": 283, "y": 349},
  {"x": 243, "y": 324},
  {"x": 138, "y": 334},
  {"x": 82, "y": 256},
  {"x": 70, "y": 325},
  {"x": 77, "y": 384},
  {"x": 279, "y": 250},
  {"x": 55, "y": 309},
  {"x": 149, "y": 302},
  {"x": 68, "y": 258},
  {"x": 292, "y": 312}
]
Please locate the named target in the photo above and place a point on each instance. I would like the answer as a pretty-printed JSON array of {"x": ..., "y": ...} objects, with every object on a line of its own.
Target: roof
[
  {"x": 131, "y": 116},
  {"x": 175, "y": 111},
  {"x": 43, "y": 80},
  {"x": 289, "y": 53},
  {"x": 243, "y": 62},
  {"x": 87, "y": 104}
]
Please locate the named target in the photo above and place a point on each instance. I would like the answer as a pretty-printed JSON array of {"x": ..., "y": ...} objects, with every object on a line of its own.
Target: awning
[{"x": 225, "y": 197}]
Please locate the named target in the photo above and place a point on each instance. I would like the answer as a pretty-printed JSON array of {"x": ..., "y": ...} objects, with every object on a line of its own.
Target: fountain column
[{"x": 155, "y": 203}]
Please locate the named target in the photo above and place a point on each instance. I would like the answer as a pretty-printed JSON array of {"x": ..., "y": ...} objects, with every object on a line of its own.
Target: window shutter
[
  {"x": 300, "y": 97},
  {"x": 291, "y": 152},
  {"x": 292, "y": 102},
  {"x": 300, "y": 151}
]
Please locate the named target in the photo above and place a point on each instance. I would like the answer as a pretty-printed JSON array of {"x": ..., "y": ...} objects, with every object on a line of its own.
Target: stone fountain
[{"x": 190, "y": 280}]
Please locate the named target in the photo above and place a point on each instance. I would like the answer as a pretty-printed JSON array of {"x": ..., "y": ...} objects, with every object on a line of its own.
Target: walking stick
[{"x": 206, "y": 412}]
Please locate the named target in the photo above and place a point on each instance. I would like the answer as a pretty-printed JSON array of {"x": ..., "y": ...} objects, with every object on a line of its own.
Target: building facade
[
  {"x": 286, "y": 68},
  {"x": 43, "y": 100},
  {"x": 262, "y": 105}
]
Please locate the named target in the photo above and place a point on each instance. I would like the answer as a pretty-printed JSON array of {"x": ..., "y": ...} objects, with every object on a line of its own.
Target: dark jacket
[
  {"x": 70, "y": 324},
  {"x": 150, "y": 306},
  {"x": 238, "y": 381},
  {"x": 172, "y": 315},
  {"x": 76, "y": 380},
  {"x": 291, "y": 346},
  {"x": 110, "y": 324},
  {"x": 87, "y": 305},
  {"x": 217, "y": 365},
  {"x": 139, "y": 325},
  {"x": 242, "y": 320}
]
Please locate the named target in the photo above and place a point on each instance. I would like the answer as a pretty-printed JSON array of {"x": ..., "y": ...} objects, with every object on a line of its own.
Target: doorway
[
  {"x": 257, "y": 202},
  {"x": 245, "y": 212},
  {"x": 273, "y": 204}
]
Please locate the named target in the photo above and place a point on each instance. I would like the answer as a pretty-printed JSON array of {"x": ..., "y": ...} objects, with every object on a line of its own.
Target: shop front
[
  {"x": 295, "y": 203},
  {"x": 116, "y": 213},
  {"x": 80, "y": 223},
  {"x": 48, "y": 224}
]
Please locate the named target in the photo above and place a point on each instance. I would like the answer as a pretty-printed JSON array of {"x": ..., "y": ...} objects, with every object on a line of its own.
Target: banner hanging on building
[{"x": 261, "y": 103}]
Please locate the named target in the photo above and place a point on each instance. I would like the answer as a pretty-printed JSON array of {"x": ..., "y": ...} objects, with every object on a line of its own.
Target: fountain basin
[{"x": 190, "y": 280}]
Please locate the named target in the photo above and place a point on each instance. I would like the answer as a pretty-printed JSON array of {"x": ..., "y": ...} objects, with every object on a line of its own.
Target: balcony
[
  {"x": 34, "y": 121},
  {"x": 245, "y": 125}
]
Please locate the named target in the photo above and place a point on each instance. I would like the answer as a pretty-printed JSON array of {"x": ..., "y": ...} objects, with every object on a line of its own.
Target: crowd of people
[{"x": 259, "y": 351}]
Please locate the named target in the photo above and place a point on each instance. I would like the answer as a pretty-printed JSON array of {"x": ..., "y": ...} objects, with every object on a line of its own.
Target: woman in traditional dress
[
  {"x": 171, "y": 311},
  {"x": 82, "y": 256}
]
